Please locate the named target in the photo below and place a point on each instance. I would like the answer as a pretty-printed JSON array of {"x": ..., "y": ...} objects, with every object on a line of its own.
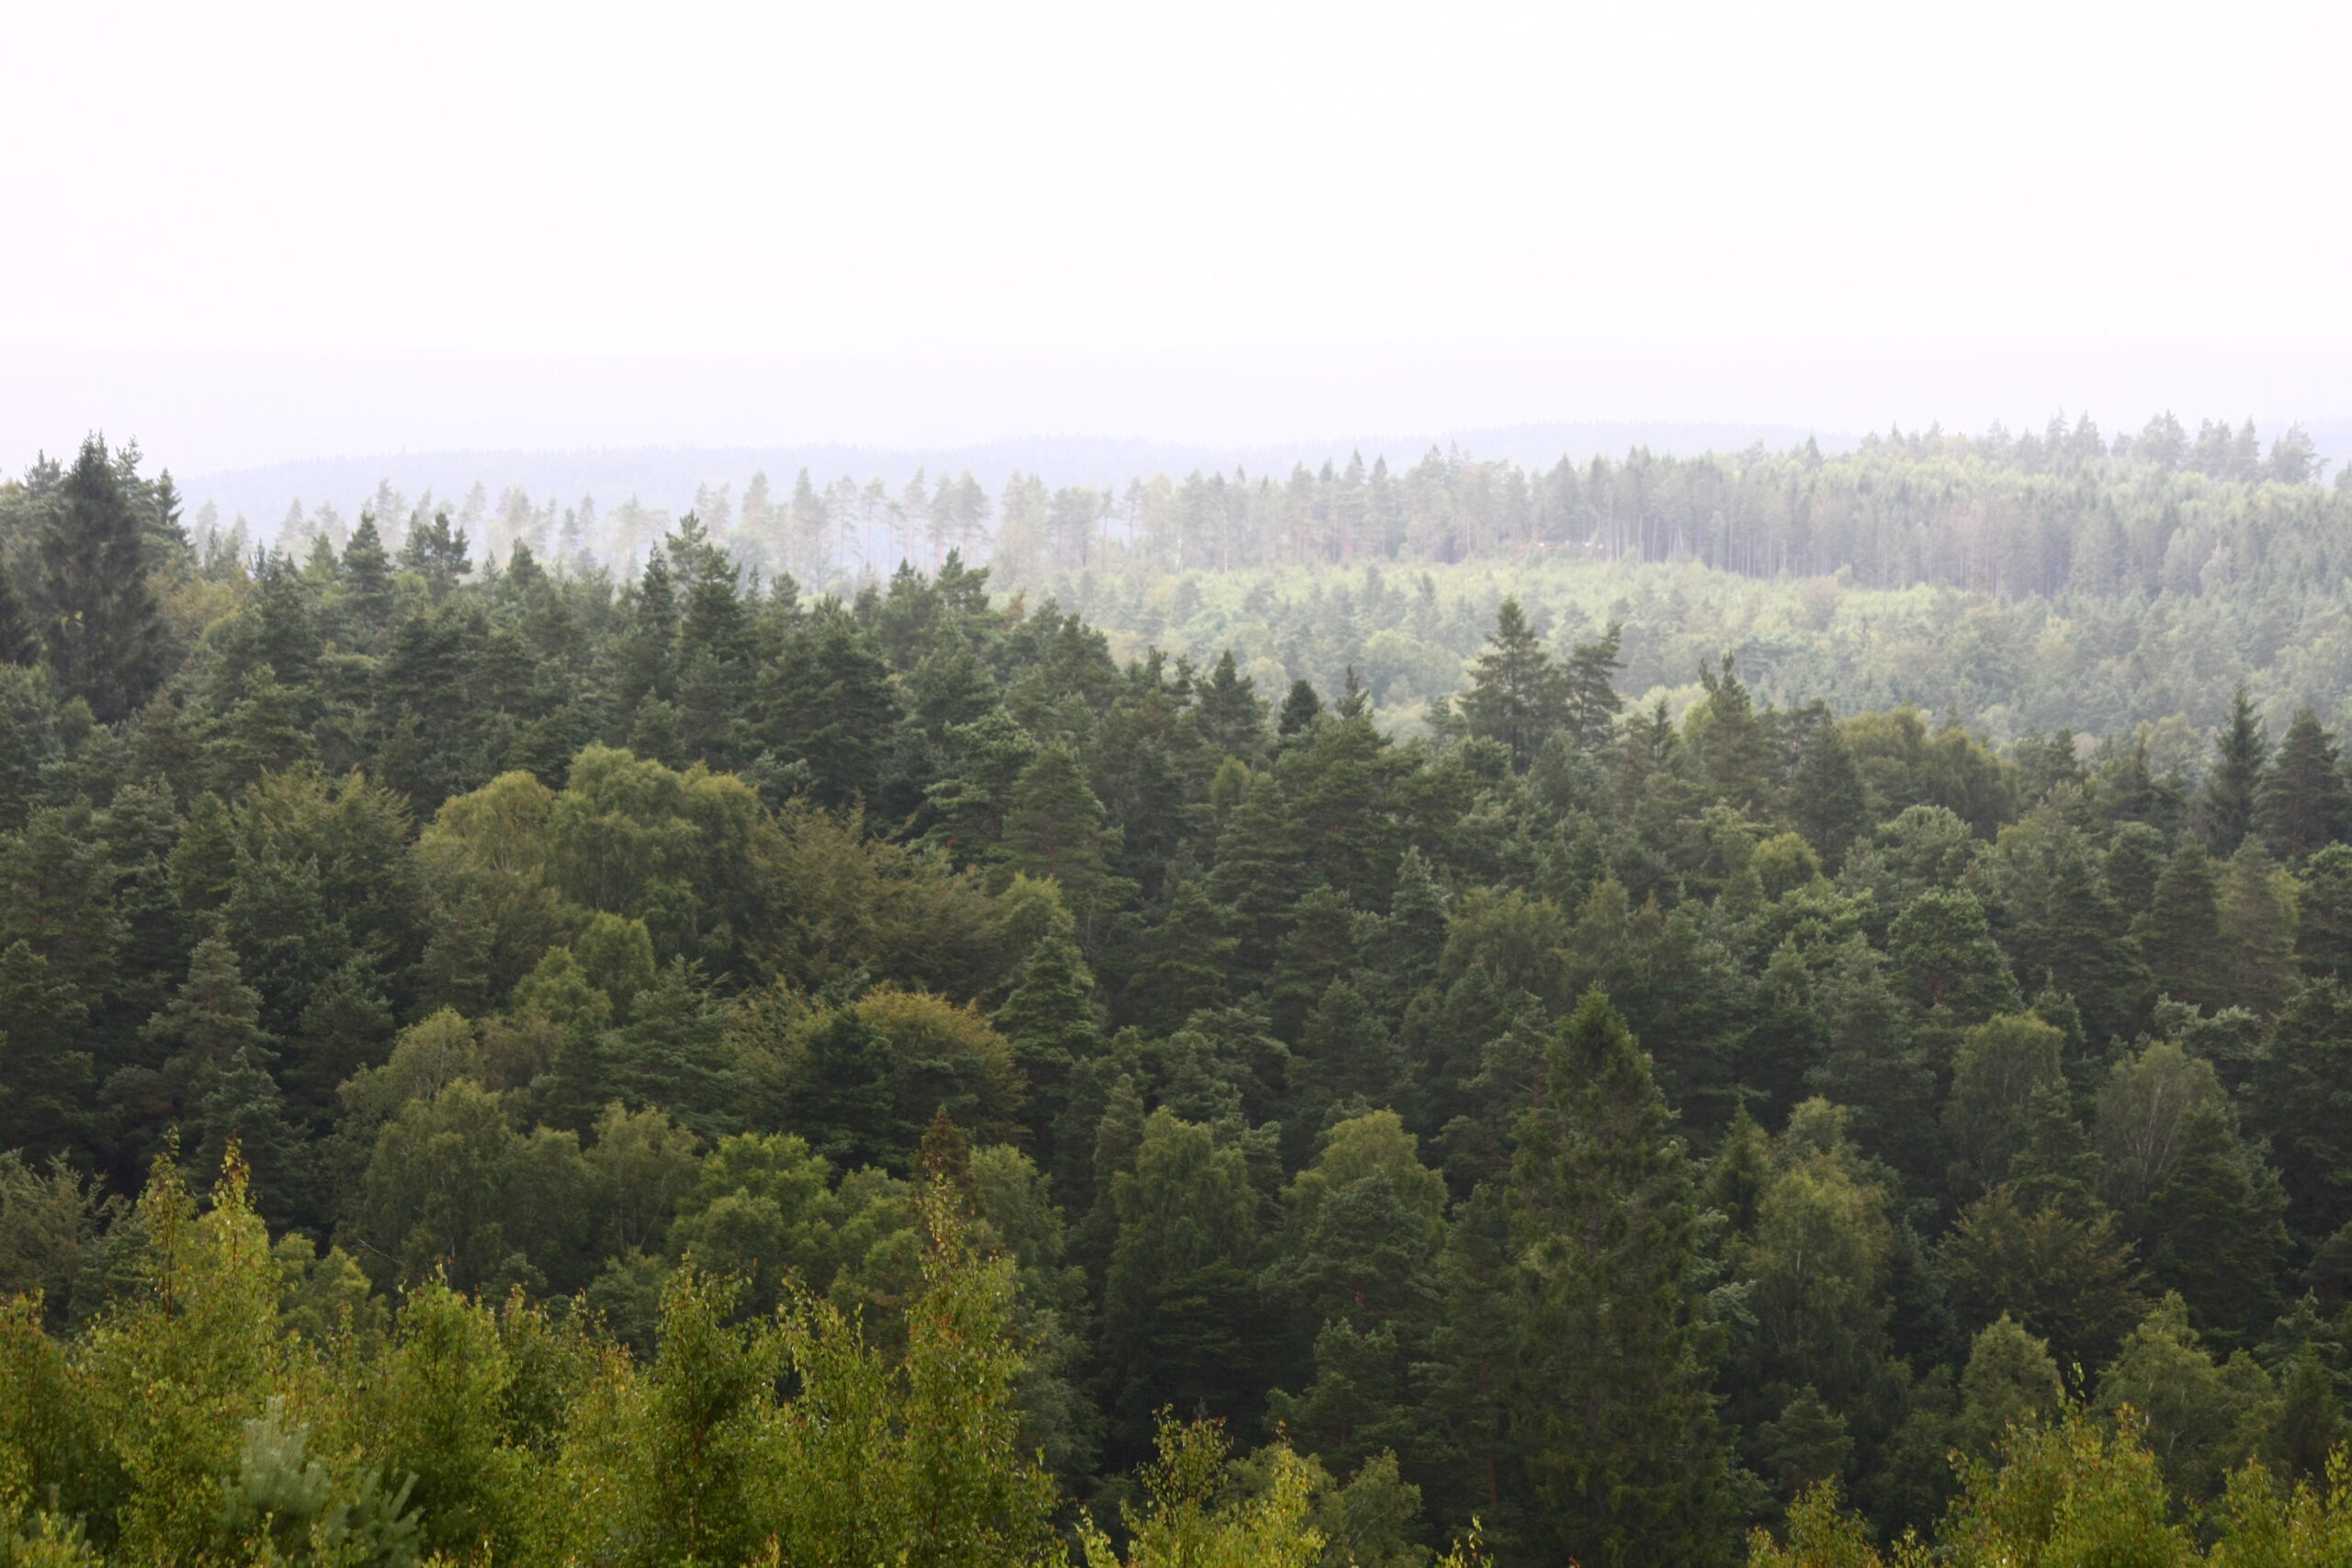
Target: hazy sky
[{"x": 247, "y": 232}]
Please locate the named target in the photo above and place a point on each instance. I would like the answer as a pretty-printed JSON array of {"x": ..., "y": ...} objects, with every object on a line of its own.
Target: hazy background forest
[{"x": 2063, "y": 579}]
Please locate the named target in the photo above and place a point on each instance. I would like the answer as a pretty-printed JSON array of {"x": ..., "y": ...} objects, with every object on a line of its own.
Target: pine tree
[
  {"x": 1301, "y": 708},
  {"x": 2324, "y": 915},
  {"x": 46, "y": 1069},
  {"x": 1054, "y": 828},
  {"x": 1517, "y": 697},
  {"x": 1183, "y": 1321},
  {"x": 830, "y": 704},
  {"x": 2180, "y": 936},
  {"x": 1184, "y": 962},
  {"x": 1826, "y": 798},
  {"x": 1612, "y": 1415},
  {"x": 1344, "y": 1061},
  {"x": 2239, "y": 753},
  {"x": 1589, "y": 700},
  {"x": 1253, "y": 881},
  {"x": 2300, "y": 1099},
  {"x": 1231, "y": 714},
  {"x": 99, "y": 622},
  {"x": 2217, "y": 1224},
  {"x": 2303, "y": 804},
  {"x": 1050, "y": 1022}
]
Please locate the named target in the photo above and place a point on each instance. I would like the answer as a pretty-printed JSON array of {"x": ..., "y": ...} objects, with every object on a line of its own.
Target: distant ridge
[{"x": 668, "y": 477}]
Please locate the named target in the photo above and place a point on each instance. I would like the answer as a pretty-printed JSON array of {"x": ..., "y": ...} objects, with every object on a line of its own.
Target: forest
[{"x": 1078, "y": 1050}]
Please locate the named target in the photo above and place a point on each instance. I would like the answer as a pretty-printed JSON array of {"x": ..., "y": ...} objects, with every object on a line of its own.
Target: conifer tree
[
  {"x": 1049, "y": 1020},
  {"x": 830, "y": 703},
  {"x": 1184, "y": 962},
  {"x": 1253, "y": 881},
  {"x": 2303, "y": 804},
  {"x": 1054, "y": 828},
  {"x": 2217, "y": 1228},
  {"x": 2227, "y": 808},
  {"x": 46, "y": 1068},
  {"x": 1182, "y": 1322},
  {"x": 2300, "y": 1099},
  {"x": 1612, "y": 1415},
  {"x": 2324, "y": 915},
  {"x": 2256, "y": 961},
  {"x": 368, "y": 580},
  {"x": 1301, "y": 708},
  {"x": 1231, "y": 714},
  {"x": 1590, "y": 700},
  {"x": 100, "y": 625},
  {"x": 1826, "y": 798},
  {"x": 19, "y": 638},
  {"x": 1344, "y": 1058},
  {"x": 1517, "y": 697},
  {"x": 2180, "y": 936},
  {"x": 1471, "y": 1380}
]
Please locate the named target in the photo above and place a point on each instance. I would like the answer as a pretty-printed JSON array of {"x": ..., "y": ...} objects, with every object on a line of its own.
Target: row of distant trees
[{"x": 2032, "y": 512}]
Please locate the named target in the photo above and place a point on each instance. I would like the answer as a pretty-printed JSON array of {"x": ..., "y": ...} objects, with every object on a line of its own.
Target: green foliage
[{"x": 616, "y": 990}]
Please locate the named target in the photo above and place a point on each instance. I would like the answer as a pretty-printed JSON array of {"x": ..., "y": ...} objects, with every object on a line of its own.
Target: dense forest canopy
[
  {"x": 2056, "y": 581},
  {"x": 558, "y": 1056}
]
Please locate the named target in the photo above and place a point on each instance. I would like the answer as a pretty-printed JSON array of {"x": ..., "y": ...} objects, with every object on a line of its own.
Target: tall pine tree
[
  {"x": 1612, "y": 1415},
  {"x": 98, "y": 618}
]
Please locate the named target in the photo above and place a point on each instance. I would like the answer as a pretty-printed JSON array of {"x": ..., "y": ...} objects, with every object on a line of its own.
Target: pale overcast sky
[{"x": 246, "y": 233}]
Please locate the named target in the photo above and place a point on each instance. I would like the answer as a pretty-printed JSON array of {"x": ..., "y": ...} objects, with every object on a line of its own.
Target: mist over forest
[{"x": 1782, "y": 1004}]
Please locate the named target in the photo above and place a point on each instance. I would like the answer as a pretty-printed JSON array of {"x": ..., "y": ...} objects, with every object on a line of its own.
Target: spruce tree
[
  {"x": 1517, "y": 697},
  {"x": 829, "y": 704},
  {"x": 2324, "y": 915},
  {"x": 1231, "y": 714},
  {"x": 1590, "y": 700},
  {"x": 1301, "y": 708},
  {"x": 1253, "y": 881},
  {"x": 2180, "y": 936},
  {"x": 2240, "y": 750},
  {"x": 20, "y": 637},
  {"x": 1344, "y": 1060},
  {"x": 1054, "y": 828},
  {"x": 1826, "y": 798},
  {"x": 2217, "y": 1228},
  {"x": 1049, "y": 1020},
  {"x": 1184, "y": 964},
  {"x": 2300, "y": 1099},
  {"x": 1613, "y": 1415},
  {"x": 99, "y": 622},
  {"x": 1182, "y": 1320},
  {"x": 2303, "y": 804},
  {"x": 46, "y": 1068},
  {"x": 2081, "y": 946}
]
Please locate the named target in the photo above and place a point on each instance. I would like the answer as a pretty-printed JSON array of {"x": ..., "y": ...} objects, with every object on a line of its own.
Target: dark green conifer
[
  {"x": 2303, "y": 803},
  {"x": 99, "y": 623},
  {"x": 2227, "y": 808},
  {"x": 1611, "y": 1413}
]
